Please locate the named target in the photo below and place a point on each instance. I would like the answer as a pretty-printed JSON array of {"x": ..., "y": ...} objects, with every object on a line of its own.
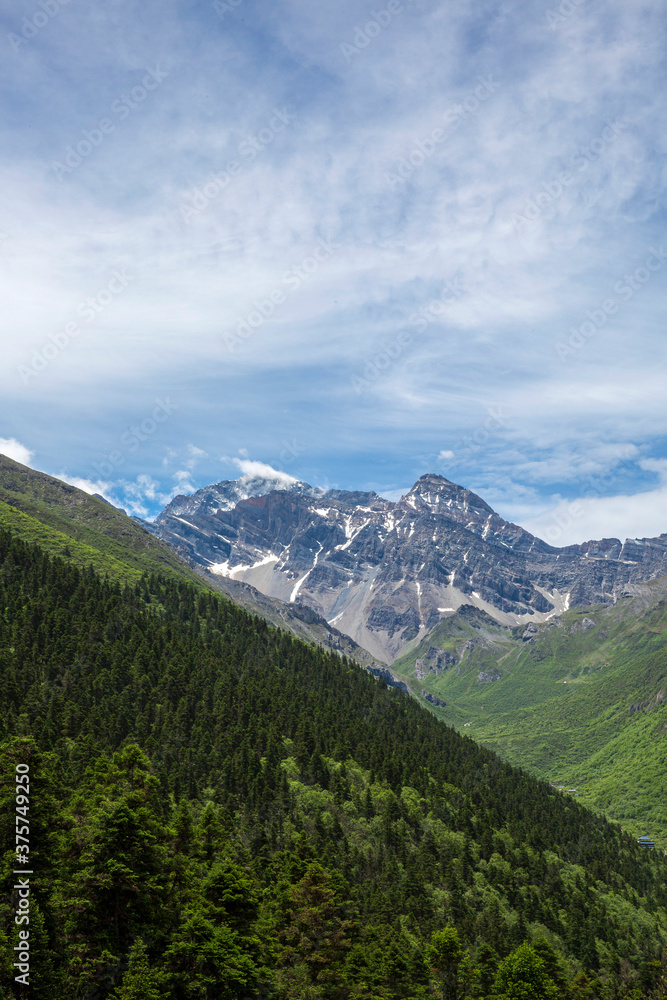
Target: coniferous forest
[{"x": 218, "y": 810}]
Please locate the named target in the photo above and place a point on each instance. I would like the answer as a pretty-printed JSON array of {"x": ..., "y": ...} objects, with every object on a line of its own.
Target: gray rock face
[
  {"x": 467, "y": 647},
  {"x": 226, "y": 495},
  {"x": 390, "y": 679},
  {"x": 387, "y": 573},
  {"x": 435, "y": 661},
  {"x": 488, "y": 678},
  {"x": 584, "y": 625},
  {"x": 421, "y": 669},
  {"x": 433, "y": 699}
]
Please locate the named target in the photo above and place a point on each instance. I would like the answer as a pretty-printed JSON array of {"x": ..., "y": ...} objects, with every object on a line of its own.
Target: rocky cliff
[{"x": 387, "y": 573}]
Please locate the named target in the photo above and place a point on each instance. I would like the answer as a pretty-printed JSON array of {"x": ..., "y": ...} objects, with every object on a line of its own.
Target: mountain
[
  {"x": 226, "y": 495},
  {"x": 387, "y": 573},
  {"x": 553, "y": 657},
  {"x": 580, "y": 700},
  {"x": 217, "y": 809},
  {"x": 89, "y": 531},
  {"x": 481, "y": 675}
]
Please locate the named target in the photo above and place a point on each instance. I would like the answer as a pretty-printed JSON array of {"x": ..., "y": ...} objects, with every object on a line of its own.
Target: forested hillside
[{"x": 218, "y": 810}]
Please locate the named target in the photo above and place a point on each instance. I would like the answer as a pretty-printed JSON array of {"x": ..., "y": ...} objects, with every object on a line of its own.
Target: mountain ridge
[
  {"x": 387, "y": 572},
  {"x": 461, "y": 668}
]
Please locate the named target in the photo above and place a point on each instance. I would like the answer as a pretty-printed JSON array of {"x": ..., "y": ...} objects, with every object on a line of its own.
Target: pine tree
[
  {"x": 141, "y": 981},
  {"x": 450, "y": 966}
]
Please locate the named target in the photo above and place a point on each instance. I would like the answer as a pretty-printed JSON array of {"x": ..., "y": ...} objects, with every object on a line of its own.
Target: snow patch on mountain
[{"x": 386, "y": 572}]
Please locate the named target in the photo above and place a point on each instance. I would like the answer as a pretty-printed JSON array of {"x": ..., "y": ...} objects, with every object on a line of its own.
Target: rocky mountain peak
[
  {"x": 387, "y": 573},
  {"x": 227, "y": 494},
  {"x": 441, "y": 495}
]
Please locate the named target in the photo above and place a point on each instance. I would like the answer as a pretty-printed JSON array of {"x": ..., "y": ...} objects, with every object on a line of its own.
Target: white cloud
[
  {"x": 260, "y": 470},
  {"x": 91, "y": 486},
  {"x": 657, "y": 465},
  {"x": 145, "y": 486},
  {"x": 15, "y": 450},
  {"x": 445, "y": 456},
  {"x": 101, "y": 488},
  {"x": 571, "y": 522},
  {"x": 195, "y": 456},
  {"x": 184, "y": 482},
  {"x": 139, "y": 494}
]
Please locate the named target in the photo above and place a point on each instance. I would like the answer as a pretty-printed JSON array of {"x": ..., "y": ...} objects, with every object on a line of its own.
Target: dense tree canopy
[{"x": 220, "y": 811}]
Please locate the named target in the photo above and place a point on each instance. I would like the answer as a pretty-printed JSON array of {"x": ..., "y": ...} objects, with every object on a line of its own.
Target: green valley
[
  {"x": 580, "y": 700},
  {"x": 221, "y": 810}
]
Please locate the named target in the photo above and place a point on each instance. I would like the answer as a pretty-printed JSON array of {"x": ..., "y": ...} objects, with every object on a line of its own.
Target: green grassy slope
[
  {"x": 71, "y": 524},
  {"x": 582, "y": 704}
]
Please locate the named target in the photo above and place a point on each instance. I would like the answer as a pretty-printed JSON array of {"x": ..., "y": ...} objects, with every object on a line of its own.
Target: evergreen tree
[
  {"x": 450, "y": 966},
  {"x": 141, "y": 981}
]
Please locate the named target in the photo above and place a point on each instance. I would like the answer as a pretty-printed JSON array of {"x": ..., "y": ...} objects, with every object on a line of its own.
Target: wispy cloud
[{"x": 276, "y": 142}]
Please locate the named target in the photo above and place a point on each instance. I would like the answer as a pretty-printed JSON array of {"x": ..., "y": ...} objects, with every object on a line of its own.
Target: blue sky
[{"x": 353, "y": 242}]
